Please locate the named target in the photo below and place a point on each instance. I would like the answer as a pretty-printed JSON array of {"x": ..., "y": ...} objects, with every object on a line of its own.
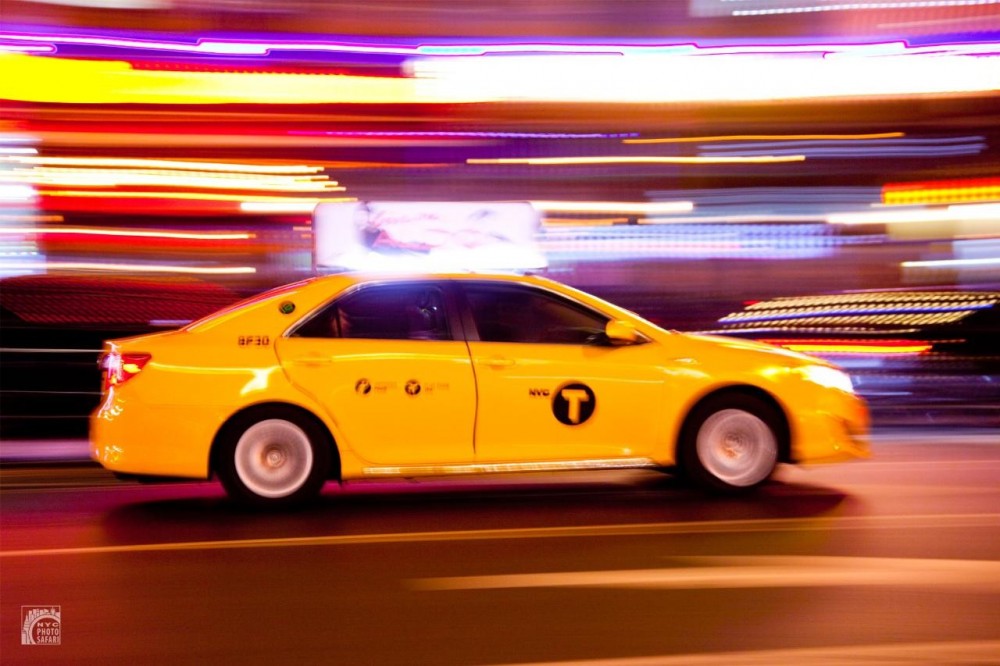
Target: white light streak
[
  {"x": 953, "y": 263},
  {"x": 638, "y": 207},
  {"x": 663, "y": 78},
  {"x": 281, "y": 206},
  {"x": 953, "y": 213},
  {"x": 861, "y": 6}
]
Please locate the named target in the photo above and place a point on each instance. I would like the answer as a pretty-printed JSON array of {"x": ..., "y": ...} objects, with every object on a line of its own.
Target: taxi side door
[
  {"x": 389, "y": 364},
  {"x": 550, "y": 386}
]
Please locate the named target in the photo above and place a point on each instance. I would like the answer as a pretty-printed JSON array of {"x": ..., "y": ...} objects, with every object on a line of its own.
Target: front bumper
[{"x": 835, "y": 432}]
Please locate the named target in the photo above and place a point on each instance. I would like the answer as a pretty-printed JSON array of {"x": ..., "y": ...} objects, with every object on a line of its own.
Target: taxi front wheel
[
  {"x": 273, "y": 458},
  {"x": 731, "y": 443}
]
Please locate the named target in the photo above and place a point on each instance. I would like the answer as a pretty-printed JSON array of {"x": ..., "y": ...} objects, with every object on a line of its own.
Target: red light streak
[{"x": 881, "y": 347}]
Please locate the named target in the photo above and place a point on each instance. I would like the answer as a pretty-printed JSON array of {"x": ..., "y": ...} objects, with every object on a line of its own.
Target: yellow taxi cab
[{"x": 354, "y": 377}]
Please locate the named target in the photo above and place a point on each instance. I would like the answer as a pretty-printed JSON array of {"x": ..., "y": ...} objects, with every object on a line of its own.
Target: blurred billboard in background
[{"x": 427, "y": 236}]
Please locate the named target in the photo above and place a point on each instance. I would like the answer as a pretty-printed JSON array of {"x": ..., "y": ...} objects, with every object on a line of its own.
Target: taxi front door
[{"x": 548, "y": 391}]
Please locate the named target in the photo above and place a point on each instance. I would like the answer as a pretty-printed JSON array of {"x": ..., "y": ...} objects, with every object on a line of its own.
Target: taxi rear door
[{"x": 388, "y": 363}]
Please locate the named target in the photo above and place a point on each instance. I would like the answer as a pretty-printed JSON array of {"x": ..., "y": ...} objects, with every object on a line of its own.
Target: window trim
[
  {"x": 469, "y": 322},
  {"x": 455, "y": 328}
]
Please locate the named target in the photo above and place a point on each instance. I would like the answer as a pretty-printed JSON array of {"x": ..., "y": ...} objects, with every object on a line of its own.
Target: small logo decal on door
[
  {"x": 412, "y": 387},
  {"x": 573, "y": 403},
  {"x": 363, "y": 387}
]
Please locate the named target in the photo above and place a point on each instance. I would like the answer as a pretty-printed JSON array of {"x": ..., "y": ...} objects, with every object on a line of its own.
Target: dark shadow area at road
[{"x": 199, "y": 514}]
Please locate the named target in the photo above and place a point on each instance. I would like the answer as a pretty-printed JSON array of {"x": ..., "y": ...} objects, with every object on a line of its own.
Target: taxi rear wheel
[
  {"x": 273, "y": 458},
  {"x": 731, "y": 443}
]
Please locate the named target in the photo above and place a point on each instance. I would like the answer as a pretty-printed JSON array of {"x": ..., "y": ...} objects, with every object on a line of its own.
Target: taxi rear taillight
[{"x": 117, "y": 368}]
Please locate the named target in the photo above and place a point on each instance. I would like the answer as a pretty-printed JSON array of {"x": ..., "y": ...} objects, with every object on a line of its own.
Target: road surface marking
[
  {"x": 700, "y": 573},
  {"x": 955, "y": 653},
  {"x": 974, "y": 520}
]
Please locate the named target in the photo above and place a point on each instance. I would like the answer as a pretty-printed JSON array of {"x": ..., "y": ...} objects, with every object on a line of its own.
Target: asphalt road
[{"x": 892, "y": 560}]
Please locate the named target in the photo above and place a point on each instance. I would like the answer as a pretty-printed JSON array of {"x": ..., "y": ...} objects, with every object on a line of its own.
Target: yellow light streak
[
  {"x": 127, "y": 233},
  {"x": 939, "y": 195},
  {"x": 638, "y": 159},
  {"x": 770, "y": 137},
  {"x": 584, "y": 221},
  {"x": 139, "y": 163},
  {"x": 29, "y": 79}
]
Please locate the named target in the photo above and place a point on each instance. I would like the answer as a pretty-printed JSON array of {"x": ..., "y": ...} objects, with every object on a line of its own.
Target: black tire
[
  {"x": 274, "y": 457},
  {"x": 731, "y": 443}
]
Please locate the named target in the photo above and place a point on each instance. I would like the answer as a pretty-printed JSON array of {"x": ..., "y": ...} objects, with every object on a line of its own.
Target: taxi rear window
[{"x": 259, "y": 298}]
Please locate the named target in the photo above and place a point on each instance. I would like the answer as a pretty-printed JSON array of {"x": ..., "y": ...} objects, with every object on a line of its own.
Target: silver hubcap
[
  {"x": 274, "y": 458},
  {"x": 737, "y": 447}
]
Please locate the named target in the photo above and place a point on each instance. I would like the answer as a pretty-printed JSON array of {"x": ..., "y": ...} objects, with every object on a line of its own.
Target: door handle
[{"x": 498, "y": 361}]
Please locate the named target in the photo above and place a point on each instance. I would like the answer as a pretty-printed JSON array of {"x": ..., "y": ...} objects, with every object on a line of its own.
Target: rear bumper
[{"x": 129, "y": 437}]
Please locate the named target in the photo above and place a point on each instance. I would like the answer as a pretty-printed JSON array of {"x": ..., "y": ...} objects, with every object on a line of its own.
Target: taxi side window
[
  {"x": 512, "y": 313},
  {"x": 383, "y": 312}
]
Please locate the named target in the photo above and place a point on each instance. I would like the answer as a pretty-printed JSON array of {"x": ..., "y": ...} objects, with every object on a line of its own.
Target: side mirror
[{"x": 621, "y": 332}]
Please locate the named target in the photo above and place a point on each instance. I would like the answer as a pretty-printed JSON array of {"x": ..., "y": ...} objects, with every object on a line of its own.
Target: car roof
[{"x": 360, "y": 278}]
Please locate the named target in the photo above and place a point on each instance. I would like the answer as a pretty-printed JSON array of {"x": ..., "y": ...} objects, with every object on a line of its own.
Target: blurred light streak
[
  {"x": 941, "y": 191},
  {"x": 642, "y": 208},
  {"x": 465, "y": 135},
  {"x": 867, "y": 313},
  {"x": 769, "y": 137},
  {"x": 856, "y": 6},
  {"x": 271, "y": 48},
  {"x": 953, "y": 213},
  {"x": 881, "y": 347},
  {"x": 632, "y": 79},
  {"x": 673, "y": 239},
  {"x": 876, "y": 148},
  {"x": 109, "y": 4},
  {"x": 284, "y": 207},
  {"x": 952, "y": 263},
  {"x": 30, "y": 217},
  {"x": 636, "y": 159},
  {"x": 27, "y": 78},
  {"x": 645, "y": 74},
  {"x": 129, "y": 268},
  {"x": 49, "y": 176},
  {"x": 16, "y": 193},
  {"x": 127, "y": 233},
  {"x": 190, "y": 196},
  {"x": 735, "y": 219},
  {"x": 581, "y": 222},
  {"x": 139, "y": 163}
]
